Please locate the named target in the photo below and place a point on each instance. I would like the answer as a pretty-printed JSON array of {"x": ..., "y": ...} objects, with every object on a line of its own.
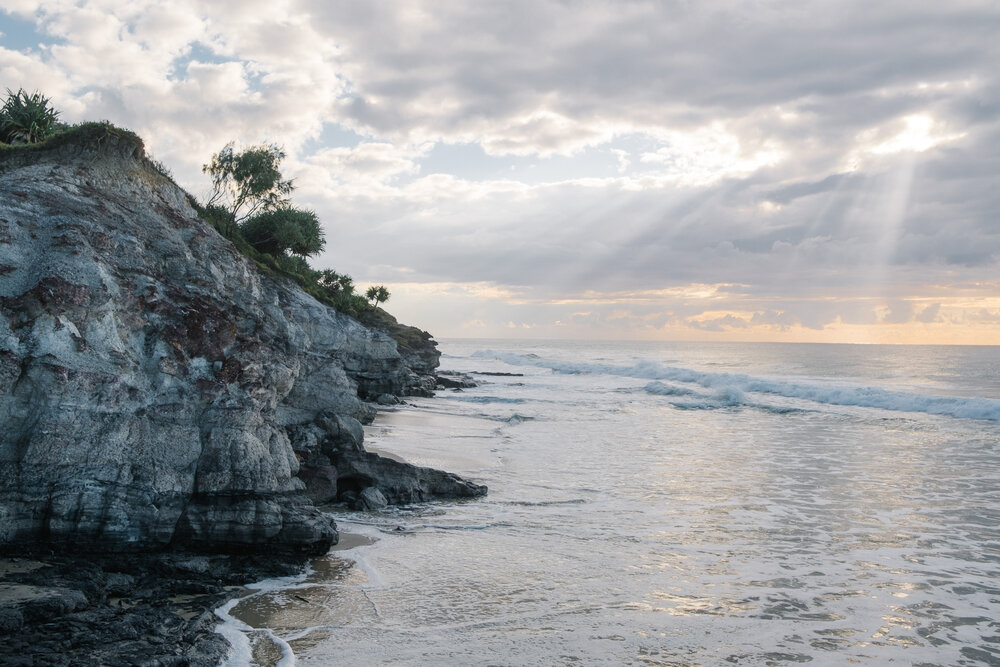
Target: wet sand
[
  {"x": 351, "y": 540},
  {"x": 322, "y": 601}
]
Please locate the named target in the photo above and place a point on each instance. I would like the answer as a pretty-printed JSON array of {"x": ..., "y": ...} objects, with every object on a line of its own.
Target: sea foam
[{"x": 731, "y": 388}]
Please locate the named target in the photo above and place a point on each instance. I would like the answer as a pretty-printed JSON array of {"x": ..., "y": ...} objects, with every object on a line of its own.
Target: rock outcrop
[
  {"x": 398, "y": 482},
  {"x": 416, "y": 347},
  {"x": 123, "y": 609},
  {"x": 156, "y": 388}
]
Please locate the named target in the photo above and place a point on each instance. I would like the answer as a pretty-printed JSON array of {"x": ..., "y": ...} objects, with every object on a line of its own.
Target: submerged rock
[
  {"x": 454, "y": 380},
  {"x": 152, "y": 379}
]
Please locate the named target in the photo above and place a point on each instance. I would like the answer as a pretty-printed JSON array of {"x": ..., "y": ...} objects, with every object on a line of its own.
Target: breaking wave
[
  {"x": 668, "y": 389},
  {"x": 730, "y": 388}
]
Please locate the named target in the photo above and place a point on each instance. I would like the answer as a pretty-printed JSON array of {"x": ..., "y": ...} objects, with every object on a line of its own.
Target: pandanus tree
[
  {"x": 377, "y": 294},
  {"x": 27, "y": 118},
  {"x": 285, "y": 229},
  {"x": 336, "y": 284}
]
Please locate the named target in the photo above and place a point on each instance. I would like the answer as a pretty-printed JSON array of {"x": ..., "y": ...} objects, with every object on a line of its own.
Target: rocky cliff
[
  {"x": 156, "y": 389},
  {"x": 416, "y": 347}
]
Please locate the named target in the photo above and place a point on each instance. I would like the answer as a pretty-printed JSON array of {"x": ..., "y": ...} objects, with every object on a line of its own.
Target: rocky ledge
[
  {"x": 132, "y": 609},
  {"x": 158, "y": 391}
]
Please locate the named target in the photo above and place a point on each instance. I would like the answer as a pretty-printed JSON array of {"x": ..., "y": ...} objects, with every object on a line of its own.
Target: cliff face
[
  {"x": 417, "y": 349},
  {"x": 154, "y": 386}
]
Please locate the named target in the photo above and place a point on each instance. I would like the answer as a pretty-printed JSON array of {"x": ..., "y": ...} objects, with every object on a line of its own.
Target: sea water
[{"x": 671, "y": 504}]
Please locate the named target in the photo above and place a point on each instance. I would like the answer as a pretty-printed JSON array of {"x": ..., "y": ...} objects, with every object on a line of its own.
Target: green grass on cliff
[
  {"x": 90, "y": 133},
  {"x": 93, "y": 134}
]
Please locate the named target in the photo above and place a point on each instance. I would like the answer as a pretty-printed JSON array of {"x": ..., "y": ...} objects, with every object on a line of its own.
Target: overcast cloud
[{"x": 744, "y": 170}]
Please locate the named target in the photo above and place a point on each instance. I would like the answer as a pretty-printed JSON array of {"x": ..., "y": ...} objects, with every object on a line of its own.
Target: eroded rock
[
  {"x": 156, "y": 389},
  {"x": 371, "y": 500},
  {"x": 399, "y": 482},
  {"x": 123, "y": 609}
]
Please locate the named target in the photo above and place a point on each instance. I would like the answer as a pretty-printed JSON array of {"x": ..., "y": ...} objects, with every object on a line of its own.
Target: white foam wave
[
  {"x": 667, "y": 389},
  {"x": 727, "y": 397},
  {"x": 236, "y": 631},
  {"x": 829, "y": 394}
]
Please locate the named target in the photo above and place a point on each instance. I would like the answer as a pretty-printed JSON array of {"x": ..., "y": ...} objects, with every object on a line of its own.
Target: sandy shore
[
  {"x": 349, "y": 541},
  {"x": 308, "y": 604}
]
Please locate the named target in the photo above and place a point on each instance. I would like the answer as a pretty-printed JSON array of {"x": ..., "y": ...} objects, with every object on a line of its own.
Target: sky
[{"x": 688, "y": 170}]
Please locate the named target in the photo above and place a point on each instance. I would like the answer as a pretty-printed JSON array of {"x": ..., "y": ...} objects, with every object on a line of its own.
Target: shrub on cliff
[
  {"x": 336, "y": 284},
  {"x": 285, "y": 229},
  {"x": 249, "y": 206},
  {"x": 27, "y": 118},
  {"x": 338, "y": 290},
  {"x": 298, "y": 267},
  {"x": 219, "y": 217}
]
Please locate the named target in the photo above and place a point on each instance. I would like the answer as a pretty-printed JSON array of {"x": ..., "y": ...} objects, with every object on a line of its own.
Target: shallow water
[{"x": 674, "y": 504}]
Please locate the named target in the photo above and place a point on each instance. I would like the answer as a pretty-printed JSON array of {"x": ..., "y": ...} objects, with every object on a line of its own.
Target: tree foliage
[
  {"x": 247, "y": 182},
  {"x": 336, "y": 284},
  {"x": 285, "y": 229},
  {"x": 27, "y": 118},
  {"x": 338, "y": 289},
  {"x": 377, "y": 294},
  {"x": 249, "y": 205}
]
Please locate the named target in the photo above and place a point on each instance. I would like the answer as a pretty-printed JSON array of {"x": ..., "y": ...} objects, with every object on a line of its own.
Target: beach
[{"x": 687, "y": 504}]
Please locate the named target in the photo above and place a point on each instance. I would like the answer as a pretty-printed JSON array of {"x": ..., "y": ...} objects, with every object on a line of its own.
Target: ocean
[{"x": 670, "y": 504}]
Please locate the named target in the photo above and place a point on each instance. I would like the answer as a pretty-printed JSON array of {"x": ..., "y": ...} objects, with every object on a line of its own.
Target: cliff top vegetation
[{"x": 249, "y": 204}]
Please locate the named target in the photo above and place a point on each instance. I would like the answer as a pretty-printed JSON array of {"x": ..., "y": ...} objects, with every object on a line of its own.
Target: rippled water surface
[{"x": 675, "y": 505}]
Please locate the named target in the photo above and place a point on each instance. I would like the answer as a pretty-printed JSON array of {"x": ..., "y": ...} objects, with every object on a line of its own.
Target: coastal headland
[{"x": 173, "y": 411}]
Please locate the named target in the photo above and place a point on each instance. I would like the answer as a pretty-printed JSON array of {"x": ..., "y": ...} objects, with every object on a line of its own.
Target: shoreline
[
  {"x": 104, "y": 609},
  {"x": 99, "y": 609},
  {"x": 159, "y": 608},
  {"x": 243, "y": 619}
]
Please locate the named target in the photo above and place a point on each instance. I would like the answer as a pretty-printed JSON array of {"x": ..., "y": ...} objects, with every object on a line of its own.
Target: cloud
[
  {"x": 727, "y": 321},
  {"x": 709, "y": 154},
  {"x": 834, "y": 160},
  {"x": 374, "y": 161},
  {"x": 930, "y": 313},
  {"x": 782, "y": 320}
]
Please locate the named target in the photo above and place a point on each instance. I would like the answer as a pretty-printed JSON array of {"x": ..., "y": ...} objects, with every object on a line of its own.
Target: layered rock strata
[
  {"x": 156, "y": 388},
  {"x": 416, "y": 347}
]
